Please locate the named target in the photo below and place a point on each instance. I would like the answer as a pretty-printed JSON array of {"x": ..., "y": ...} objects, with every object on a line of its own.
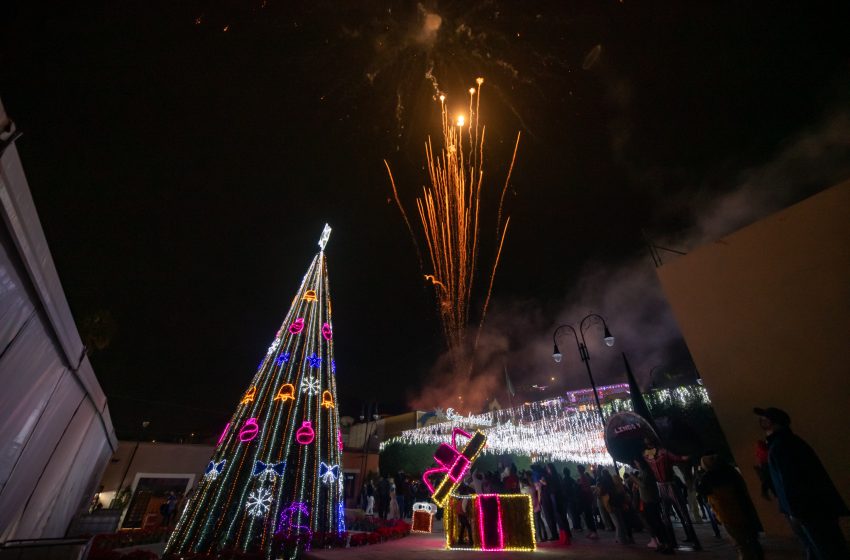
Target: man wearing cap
[{"x": 805, "y": 492}]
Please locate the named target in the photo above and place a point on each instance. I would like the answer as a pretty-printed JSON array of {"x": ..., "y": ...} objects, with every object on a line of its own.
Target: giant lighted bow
[
  {"x": 328, "y": 473},
  {"x": 269, "y": 470},
  {"x": 454, "y": 463},
  {"x": 214, "y": 469}
]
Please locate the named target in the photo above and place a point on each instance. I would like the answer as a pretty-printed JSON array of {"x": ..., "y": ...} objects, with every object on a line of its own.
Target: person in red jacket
[
  {"x": 462, "y": 509},
  {"x": 661, "y": 462},
  {"x": 762, "y": 469},
  {"x": 511, "y": 481},
  {"x": 585, "y": 500}
]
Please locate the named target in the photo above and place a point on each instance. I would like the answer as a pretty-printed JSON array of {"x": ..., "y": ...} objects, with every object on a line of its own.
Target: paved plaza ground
[{"x": 426, "y": 547}]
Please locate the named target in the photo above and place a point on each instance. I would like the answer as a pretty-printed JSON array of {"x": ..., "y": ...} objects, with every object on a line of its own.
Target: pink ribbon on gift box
[{"x": 451, "y": 461}]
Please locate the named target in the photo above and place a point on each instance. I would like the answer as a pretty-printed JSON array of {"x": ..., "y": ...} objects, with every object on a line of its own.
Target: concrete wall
[{"x": 765, "y": 312}]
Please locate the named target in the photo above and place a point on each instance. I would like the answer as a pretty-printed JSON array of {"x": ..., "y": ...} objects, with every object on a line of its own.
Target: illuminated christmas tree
[{"x": 276, "y": 467}]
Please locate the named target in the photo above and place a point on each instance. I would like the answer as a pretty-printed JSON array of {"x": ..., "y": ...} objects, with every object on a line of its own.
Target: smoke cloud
[
  {"x": 517, "y": 334},
  {"x": 816, "y": 159}
]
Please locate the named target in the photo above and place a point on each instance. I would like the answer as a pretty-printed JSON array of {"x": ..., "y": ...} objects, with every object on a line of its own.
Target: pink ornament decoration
[
  {"x": 249, "y": 430},
  {"x": 297, "y": 325},
  {"x": 305, "y": 434},
  {"x": 223, "y": 433}
]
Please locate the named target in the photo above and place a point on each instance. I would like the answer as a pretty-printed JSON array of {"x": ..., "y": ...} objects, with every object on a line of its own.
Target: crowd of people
[
  {"x": 623, "y": 501},
  {"x": 657, "y": 488},
  {"x": 392, "y": 497},
  {"x": 596, "y": 498}
]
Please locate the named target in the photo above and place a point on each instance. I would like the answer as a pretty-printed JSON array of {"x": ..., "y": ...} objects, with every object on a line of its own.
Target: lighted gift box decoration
[
  {"x": 423, "y": 515},
  {"x": 454, "y": 464},
  {"x": 499, "y": 522}
]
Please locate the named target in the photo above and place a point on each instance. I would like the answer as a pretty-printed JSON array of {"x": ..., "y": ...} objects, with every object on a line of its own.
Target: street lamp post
[
  {"x": 369, "y": 411},
  {"x": 583, "y": 353}
]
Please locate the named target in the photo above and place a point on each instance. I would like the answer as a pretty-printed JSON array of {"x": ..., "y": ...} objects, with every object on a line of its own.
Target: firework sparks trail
[{"x": 449, "y": 213}]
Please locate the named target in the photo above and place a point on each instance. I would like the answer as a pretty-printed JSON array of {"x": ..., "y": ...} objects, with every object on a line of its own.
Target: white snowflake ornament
[
  {"x": 259, "y": 502},
  {"x": 311, "y": 385}
]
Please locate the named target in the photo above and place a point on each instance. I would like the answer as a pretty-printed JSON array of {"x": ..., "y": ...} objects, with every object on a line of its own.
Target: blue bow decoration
[
  {"x": 269, "y": 470},
  {"x": 328, "y": 473},
  {"x": 214, "y": 469}
]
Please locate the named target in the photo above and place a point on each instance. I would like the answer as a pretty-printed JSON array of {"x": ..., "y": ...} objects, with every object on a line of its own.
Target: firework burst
[{"x": 450, "y": 219}]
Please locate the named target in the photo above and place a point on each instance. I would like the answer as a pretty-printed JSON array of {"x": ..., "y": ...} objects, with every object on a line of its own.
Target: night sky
[{"x": 184, "y": 156}]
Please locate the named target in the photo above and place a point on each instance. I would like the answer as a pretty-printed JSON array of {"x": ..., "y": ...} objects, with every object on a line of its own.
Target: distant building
[
  {"x": 360, "y": 452},
  {"x": 585, "y": 396},
  {"x": 141, "y": 474}
]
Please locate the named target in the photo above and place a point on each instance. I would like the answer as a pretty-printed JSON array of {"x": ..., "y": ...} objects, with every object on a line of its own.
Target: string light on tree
[
  {"x": 275, "y": 343},
  {"x": 268, "y": 457}
]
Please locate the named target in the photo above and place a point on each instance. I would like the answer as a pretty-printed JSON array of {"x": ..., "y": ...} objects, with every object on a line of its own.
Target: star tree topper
[{"x": 326, "y": 234}]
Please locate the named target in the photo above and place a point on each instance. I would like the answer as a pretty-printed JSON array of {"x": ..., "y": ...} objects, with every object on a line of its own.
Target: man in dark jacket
[
  {"x": 805, "y": 492},
  {"x": 383, "y": 493},
  {"x": 570, "y": 488},
  {"x": 585, "y": 500},
  {"x": 651, "y": 508}
]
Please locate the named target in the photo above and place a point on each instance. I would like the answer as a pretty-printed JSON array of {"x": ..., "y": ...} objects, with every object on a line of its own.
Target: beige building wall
[
  {"x": 765, "y": 312},
  {"x": 151, "y": 458}
]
